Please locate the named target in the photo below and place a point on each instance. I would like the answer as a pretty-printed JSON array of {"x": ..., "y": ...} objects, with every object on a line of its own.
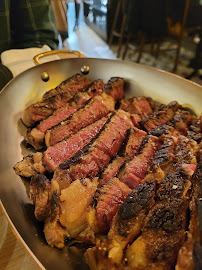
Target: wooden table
[{"x": 13, "y": 254}]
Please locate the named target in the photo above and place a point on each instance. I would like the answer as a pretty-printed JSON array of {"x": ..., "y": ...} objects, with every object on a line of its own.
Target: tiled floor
[
  {"x": 85, "y": 39},
  {"x": 91, "y": 45}
]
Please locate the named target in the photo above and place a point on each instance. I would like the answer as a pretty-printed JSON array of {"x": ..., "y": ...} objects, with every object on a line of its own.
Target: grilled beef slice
[
  {"x": 114, "y": 88},
  {"x": 97, "y": 108},
  {"x": 36, "y": 136},
  {"x": 186, "y": 255},
  {"x": 54, "y": 99},
  {"x": 133, "y": 172},
  {"x": 195, "y": 130},
  {"x": 72, "y": 84},
  {"x": 104, "y": 147},
  {"x": 164, "y": 229},
  {"x": 137, "y": 105},
  {"x": 127, "y": 224},
  {"x": 63, "y": 151},
  {"x": 162, "y": 161},
  {"x": 133, "y": 141},
  {"x": 159, "y": 118},
  {"x": 109, "y": 197}
]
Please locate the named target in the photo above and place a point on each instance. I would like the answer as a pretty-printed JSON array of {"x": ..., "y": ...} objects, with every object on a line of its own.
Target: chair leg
[
  {"x": 126, "y": 46},
  {"x": 186, "y": 9},
  {"x": 121, "y": 35},
  {"x": 152, "y": 47},
  {"x": 157, "y": 48},
  {"x": 114, "y": 23},
  {"x": 142, "y": 42}
]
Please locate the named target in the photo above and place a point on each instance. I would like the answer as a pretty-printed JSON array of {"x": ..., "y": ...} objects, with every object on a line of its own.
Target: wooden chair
[
  {"x": 156, "y": 42},
  {"x": 120, "y": 33}
]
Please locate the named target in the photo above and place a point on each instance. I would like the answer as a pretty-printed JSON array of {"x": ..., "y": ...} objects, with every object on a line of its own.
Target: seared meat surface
[
  {"x": 54, "y": 99},
  {"x": 36, "y": 136},
  {"x": 123, "y": 175},
  {"x": 97, "y": 108}
]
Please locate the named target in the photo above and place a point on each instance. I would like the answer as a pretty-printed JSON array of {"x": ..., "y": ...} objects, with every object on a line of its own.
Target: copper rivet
[
  {"x": 45, "y": 76},
  {"x": 85, "y": 70}
]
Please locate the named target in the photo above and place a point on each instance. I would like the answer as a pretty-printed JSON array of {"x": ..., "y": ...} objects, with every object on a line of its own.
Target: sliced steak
[
  {"x": 42, "y": 109},
  {"x": 133, "y": 172},
  {"x": 187, "y": 255},
  {"x": 114, "y": 88},
  {"x": 36, "y": 136},
  {"x": 164, "y": 129},
  {"x": 164, "y": 230},
  {"x": 111, "y": 196},
  {"x": 97, "y": 108},
  {"x": 137, "y": 105},
  {"x": 72, "y": 84},
  {"x": 134, "y": 139},
  {"x": 161, "y": 117},
  {"x": 62, "y": 151},
  {"x": 195, "y": 129},
  {"x": 104, "y": 147},
  {"x": 163, "y": 161}
]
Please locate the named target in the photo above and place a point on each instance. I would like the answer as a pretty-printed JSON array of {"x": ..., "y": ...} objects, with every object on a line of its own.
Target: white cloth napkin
[{"x": 18, "y": 60}]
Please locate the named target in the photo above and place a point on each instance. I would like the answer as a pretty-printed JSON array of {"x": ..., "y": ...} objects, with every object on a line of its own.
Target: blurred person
[
  {"x": 77, "y": 11},
  {"x": 27, "y": 23},
  {"x": 60, "y": 10}
]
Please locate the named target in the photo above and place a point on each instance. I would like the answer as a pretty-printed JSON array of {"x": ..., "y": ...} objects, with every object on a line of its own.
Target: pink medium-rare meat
[
  {"x": 72, "y": 84},
  {"x": 44, "y": 108},
  {"x": 134, "y": 140},
  {"x": 111, "y": 170},
  {"x": 137, "y": 105},
  {"x": 80, "y": 99},
  {"x": 63, "y": 151},
  {"x": 104, "y": 147},
  {"x": 111, "y": 196},
  {"x": 134, "y": 171},
  {"x": 58, "y": 116},
  {"x": 36, "y": 136},
  {"x": 114, "y": 88},
  {"x": 97, "y": 108}
]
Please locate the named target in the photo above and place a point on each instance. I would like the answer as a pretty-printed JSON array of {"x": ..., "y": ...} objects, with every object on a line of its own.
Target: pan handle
[{"x": 54, "y": 52}]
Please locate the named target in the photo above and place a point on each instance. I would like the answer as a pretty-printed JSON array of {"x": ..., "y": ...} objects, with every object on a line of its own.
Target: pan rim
[{"x": 105, "y": 59}]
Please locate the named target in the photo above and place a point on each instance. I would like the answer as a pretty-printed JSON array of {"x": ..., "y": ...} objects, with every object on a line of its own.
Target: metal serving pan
[{"x": 25, "y": 89}]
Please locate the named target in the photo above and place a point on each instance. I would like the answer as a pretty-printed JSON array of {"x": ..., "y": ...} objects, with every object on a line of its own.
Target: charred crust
[
  {"x": 40, "y": 181},
  {"x": 54, "y": 205},
  {"x": 117, "y": 80},
  {"x": 197, "y": 251},
  {"x": 139, "y": 199},
  {"x": 166, "y": 217},
  {"x": 194, "y": 136},
  {"x": 142, "y": 145},
  {"x": 161, "y": 130},
  {"x": 164, "y": 154},
  {"x": 173, "y": 186},
  {"x": 122, "y": 149}
]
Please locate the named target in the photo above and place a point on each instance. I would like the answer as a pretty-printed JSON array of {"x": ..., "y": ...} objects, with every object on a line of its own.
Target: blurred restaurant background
[{"x": 162, "y": 34}]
